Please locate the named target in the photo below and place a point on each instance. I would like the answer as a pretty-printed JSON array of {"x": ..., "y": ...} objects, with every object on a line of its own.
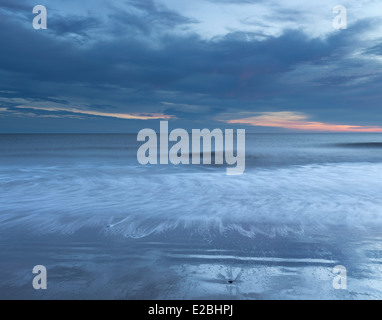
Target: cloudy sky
[{"x": 121, "y": 66}]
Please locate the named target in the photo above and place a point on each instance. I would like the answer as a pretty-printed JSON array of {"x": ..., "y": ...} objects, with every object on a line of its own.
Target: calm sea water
[{"x": 106, "y": 227}]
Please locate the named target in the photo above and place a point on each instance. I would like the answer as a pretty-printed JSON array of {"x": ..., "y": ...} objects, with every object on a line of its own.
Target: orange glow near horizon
[
  {"x": 298, "y": 121},
  {"x": 125, "y": 116}
]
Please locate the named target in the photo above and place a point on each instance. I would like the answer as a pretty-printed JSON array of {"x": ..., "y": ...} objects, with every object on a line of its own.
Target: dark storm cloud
[
  {"x": 15, "y": 6},
  {"x": 377, "y": 49},
  {"x": 151, "y": 16},
  {"x": 182, "y": 64},
  {"x": 73, "y": 25}
]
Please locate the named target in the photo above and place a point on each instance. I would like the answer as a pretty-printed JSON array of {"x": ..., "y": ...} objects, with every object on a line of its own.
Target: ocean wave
[
  {"x": 136, "y": 204},
  {"x": 360, "y": 145}
]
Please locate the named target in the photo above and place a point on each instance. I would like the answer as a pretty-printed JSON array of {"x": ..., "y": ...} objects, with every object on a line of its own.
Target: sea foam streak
[{"x": 136, "y": 203}]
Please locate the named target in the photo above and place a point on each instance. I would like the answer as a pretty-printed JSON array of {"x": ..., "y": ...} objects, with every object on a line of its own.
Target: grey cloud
[
  {"x": 234, "y": 73},
  {"x": 66, "y": 25}
]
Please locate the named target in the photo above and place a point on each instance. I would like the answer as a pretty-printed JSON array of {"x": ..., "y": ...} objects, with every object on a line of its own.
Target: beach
[{"x": 106, "y": 227}]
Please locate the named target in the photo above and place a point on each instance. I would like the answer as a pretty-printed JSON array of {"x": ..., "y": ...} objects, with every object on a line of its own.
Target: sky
[{"x": 113, "y": 66}]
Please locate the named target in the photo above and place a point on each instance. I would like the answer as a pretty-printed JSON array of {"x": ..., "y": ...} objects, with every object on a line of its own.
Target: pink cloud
[{"x": 299, "y": 121}]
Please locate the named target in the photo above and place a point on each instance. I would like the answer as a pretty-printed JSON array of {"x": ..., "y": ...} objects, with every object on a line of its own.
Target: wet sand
[{"x": 95, "y": 264}]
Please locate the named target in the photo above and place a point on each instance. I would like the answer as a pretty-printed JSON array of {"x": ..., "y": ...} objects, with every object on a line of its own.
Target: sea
[{"x": 107, "y": 227}]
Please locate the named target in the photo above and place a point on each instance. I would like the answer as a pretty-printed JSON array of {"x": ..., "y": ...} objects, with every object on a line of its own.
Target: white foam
[{"x": 266, "y": 201}]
